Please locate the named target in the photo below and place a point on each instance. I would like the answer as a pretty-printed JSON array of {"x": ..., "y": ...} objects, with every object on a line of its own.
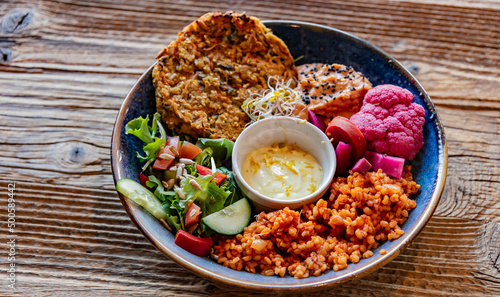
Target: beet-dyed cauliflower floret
[{"x": 390, "y": 122}]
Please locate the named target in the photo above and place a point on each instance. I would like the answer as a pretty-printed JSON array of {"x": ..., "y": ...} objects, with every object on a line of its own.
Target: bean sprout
[{"x": 279, "y": 100}]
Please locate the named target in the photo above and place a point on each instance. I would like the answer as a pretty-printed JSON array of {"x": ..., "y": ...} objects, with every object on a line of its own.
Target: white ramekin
[{"x": 280, "y": 130}]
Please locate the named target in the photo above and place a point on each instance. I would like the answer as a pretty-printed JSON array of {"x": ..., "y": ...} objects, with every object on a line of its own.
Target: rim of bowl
[
  {"x": 309, "y": 284},
  {"x": 325, "y": 183}
]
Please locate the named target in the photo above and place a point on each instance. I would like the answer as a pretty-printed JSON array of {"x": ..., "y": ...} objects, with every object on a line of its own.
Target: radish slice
[
  {"x": 390, "y": 165},
  {"x": 362, "y": 166},
  {"x": 343, "y": 154},
  {"x": 315, "y": 120},
  {"x": 342, "y": 129}
]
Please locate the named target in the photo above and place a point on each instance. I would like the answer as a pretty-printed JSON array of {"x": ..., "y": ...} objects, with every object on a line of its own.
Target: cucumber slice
[
  {"x": 230, "y": 220},
  {"x": 142, "y": 196}
]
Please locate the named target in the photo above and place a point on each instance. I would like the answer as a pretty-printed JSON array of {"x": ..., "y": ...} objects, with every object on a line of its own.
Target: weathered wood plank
[
  {"x": 79, "y": 155},
  {"x": 65, "y": 67},
  {"x": 95, "y": 236}
]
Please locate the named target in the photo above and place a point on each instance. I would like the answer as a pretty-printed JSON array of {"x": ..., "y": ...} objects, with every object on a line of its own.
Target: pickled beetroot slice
[
  {"x": 390, "y": 165},
  {"x": 315, "y": 120},
  {"x": 362, "y": 166},
  {"x": 343, "y": 154}
]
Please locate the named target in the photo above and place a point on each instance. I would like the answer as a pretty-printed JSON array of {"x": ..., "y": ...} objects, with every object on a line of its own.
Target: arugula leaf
[
  {"x": 222, "y": 149},
  {"x": 230, "y": 185}
]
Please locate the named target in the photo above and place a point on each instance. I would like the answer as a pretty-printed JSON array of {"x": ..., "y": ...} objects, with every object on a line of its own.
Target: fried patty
[
  {"x": 203, "y": 77},
  {"x": 332, "y": 90}
]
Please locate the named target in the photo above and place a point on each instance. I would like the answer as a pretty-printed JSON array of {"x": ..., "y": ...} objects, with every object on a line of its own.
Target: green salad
[{"x": 187, "y": 184}]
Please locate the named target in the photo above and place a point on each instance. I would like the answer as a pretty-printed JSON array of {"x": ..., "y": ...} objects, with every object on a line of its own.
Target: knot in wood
[
  {"x": 16, "y": 20},
  {"x": 210, "y": 289},
  {"x": 76, "y": 155},
  {"x": 414, "y": 69},
  {"x": 5, "y": 55}
]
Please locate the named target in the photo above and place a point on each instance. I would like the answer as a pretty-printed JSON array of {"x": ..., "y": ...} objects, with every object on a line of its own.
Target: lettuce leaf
[
  {"x": 190, "y": 192},
  {"x": 174, "y": 223},
  {"x": 170, "y": 203},
  {"x": 203, "y": 157},
  {"x": 150, "y": 149},
  {"x": 230, "y": 185},
  {"x": 210, "y": 199},
  {"x": 163, "y": 133},
  {"x": 160, "y": 191},
  {"x": 222, "y": 149},
  {"x": 141, "y": 129}
]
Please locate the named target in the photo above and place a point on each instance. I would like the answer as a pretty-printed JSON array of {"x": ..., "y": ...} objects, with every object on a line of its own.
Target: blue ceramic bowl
[{"x": 317, "y": 44}]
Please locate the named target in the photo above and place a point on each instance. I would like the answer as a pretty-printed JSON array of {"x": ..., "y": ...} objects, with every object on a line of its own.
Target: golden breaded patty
[
  {"x": 332, "y": 90},
  {"x": 203, "y": 77}
]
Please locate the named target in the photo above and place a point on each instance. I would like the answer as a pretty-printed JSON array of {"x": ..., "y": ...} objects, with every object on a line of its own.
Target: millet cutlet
[{"x": 216, "y": 62}]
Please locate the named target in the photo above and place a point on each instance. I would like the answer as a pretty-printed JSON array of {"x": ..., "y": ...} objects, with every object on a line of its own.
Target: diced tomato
[
  {"x": 218, "y": 178},
  {"x": 162, "y": 164},
  {"x": 175, "y": 142},
  {"x": 192, "y": 215},
  {"x": 143, "y": 179},
  {"x": 193, "y": 244},
  {"x": 189, "y": 150},
  {"x": 203, "y": 170}
]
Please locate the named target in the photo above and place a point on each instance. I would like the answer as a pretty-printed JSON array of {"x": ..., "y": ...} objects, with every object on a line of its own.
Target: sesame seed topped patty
[{"x": 332, "y": 90}]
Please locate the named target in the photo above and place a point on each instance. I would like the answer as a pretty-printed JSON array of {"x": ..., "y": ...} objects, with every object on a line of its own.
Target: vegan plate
[{"x": 167, "y": 213}]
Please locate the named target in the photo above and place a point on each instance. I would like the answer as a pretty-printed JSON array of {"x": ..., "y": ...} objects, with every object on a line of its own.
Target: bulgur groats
[{"x": 361, "y": 212}]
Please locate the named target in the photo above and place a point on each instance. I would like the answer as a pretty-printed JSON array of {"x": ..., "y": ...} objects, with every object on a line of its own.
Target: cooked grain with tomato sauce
[{"x": 361, "y": 212}]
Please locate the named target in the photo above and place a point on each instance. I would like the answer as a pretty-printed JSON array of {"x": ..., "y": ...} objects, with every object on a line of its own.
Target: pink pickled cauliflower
[{"x": 390, "y": 122}]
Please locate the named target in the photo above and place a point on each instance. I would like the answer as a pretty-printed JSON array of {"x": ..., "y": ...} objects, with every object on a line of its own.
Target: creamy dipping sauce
[{"x": 282, "y": 171}]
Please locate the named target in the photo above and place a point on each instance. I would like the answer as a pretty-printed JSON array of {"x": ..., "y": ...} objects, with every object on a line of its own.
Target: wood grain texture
[{"x": 66, "y": 66}]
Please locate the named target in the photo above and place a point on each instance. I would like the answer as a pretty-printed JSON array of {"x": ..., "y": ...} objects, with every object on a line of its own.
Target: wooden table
[{"x": 66, "y": 66}]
